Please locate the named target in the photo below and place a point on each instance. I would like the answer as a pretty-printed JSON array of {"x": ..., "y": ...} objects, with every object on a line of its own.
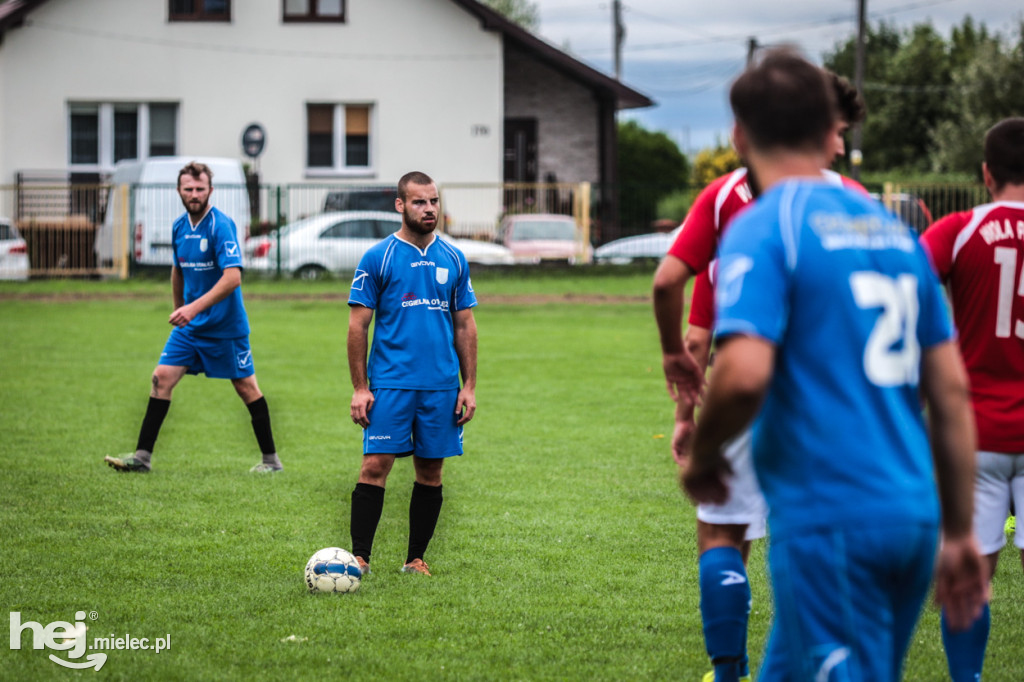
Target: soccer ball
[{"x": 333, "y": 569}]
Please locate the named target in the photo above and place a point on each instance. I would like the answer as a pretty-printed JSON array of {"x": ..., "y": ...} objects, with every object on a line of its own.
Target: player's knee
[
  {"x": 428, "y": 472},
  {"x": 374, "y": 471},
  {"x": 161, "y": 385}
]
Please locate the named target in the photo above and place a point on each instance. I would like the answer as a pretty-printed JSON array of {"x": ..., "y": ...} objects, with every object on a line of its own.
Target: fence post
[
  {"x": 582, "y": 211},
  {"x": 122, "y": 245},
  {"x": 277, "y": 230},
  {"x": 888, "y": 190}
]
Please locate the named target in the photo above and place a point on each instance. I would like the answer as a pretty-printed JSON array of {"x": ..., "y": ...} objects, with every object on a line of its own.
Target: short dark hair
[
  {"x": 412, "y": 178},
  {"x": 784, "y": 101},
  {"x": 195, "y": 169},
  {"x": 848, "y": 99},
  {"x": 1004, "y": 152}
]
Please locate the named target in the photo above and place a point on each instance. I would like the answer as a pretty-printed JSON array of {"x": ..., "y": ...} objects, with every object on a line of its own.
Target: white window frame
[
  {"x": 105, "y": 134},
  {"x": 339, "y": 169}
]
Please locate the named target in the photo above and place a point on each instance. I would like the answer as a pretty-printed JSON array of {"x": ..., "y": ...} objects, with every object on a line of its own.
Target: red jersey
[
  {"x": 728, "y": 195},
  {"x": 980, "y": 254},
  {"x": 711, "y": 212}
]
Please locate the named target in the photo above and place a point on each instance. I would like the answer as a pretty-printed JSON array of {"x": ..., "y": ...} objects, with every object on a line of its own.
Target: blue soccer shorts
[
  {"x": 847, "y": 600},
  {"x": 216, "y": 358},
  {"x": 406, "y": 422}
]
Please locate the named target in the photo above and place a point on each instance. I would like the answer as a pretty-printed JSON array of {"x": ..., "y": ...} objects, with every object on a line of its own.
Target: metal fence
[{"x": 75, "y": 229}]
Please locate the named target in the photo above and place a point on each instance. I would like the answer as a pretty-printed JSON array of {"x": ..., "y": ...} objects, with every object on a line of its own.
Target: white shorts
[
  {"x": 746, "y": 505},
  {"x": 999, "y": 477}
]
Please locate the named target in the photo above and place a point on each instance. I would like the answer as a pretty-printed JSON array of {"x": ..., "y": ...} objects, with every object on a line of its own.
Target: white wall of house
[{"x": 432, "y": 77}]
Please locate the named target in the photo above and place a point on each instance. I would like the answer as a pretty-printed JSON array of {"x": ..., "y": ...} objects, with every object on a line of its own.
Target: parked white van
[{"x": 144, "y": 203}]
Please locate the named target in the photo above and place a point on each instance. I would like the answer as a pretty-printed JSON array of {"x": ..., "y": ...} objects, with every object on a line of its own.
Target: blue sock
[
  {"x": 724, "y": 610},
  {"x": 965, "y": 651}
]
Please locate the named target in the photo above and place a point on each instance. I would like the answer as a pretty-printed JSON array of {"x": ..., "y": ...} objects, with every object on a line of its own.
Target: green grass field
[{"x": 564, "y": 549}]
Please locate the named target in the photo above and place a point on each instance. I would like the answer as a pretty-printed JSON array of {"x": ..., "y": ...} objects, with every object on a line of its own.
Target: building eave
[{"x": 624, "y": 96}]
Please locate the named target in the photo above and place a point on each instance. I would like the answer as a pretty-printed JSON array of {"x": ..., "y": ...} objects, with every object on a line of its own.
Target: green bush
[{"x": 676, "y": 205}]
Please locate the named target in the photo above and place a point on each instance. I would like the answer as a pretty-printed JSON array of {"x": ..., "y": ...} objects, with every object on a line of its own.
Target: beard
[
  {"x": 753, "y": 182},
  {"x": 195, "y": 207},
  {"x": 418, "y": 226}
]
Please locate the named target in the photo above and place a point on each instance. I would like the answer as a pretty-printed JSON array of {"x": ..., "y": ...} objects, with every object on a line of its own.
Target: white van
[{"x": 144, "y": 203}]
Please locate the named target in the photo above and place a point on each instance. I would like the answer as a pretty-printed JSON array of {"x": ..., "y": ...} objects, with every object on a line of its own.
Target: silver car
[
  {"x": 13, "y": 252},
  {"x": 335, "y": 242},
  {"x": 639, "y": 247}
]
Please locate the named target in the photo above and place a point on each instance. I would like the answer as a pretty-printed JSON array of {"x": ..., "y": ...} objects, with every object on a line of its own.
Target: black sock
[
  {"x": 261, "y": 425},
  {"x": 151, "y": 423},
  {"x": 367, "y": 505},
  {"x": 424, "y": 508}
]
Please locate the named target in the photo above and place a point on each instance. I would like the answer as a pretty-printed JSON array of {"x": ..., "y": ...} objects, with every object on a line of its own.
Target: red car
[{"x": 539, "y": 237}]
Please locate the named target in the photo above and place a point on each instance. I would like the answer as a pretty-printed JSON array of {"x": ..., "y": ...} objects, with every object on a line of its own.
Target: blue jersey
[
  {"x": 413, "y": 294},
  {"x": 847, "y": 297},
  {"x": 202, "y": 253}
]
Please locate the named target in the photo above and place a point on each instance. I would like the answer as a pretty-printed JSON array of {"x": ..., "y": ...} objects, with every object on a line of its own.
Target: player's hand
[
  {"x": 683, "y": 377},
  {"x": 682, "y": 437},
  {"x": 961, "y": 582},
  {"x": 183, "y": 315},
  {"x": 465, "y": 406},
  {"x": 704, "y": 479},
  {"x": 362, "y": 403}
]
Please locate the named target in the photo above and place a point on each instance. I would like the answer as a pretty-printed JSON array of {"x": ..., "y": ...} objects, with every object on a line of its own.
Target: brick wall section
[{"x": 566, "y": 113}]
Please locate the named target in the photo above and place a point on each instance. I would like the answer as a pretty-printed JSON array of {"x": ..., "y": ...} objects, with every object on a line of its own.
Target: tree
[
  {"x": 930, "y": 99},
  {"x": 988, "y": 88},
  {"x": 906, "y": 86},
  {"x": 522, "y": 12},
  {"x": 714, "y": 162},
  {"x": 650, "y": 166}
]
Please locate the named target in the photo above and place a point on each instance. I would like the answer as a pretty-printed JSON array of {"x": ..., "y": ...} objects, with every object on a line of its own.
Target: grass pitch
[{"x": 564, "y": 550}]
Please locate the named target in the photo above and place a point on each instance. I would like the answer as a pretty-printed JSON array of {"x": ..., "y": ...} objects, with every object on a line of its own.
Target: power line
[{"x": 790, "y": 28}]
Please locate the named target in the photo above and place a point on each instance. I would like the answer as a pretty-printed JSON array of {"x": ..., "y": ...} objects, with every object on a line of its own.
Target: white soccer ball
[{"x": 333, "y": 569}]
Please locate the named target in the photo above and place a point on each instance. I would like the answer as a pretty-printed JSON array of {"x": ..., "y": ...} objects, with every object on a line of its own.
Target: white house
[{"x": 355, "y": 91}]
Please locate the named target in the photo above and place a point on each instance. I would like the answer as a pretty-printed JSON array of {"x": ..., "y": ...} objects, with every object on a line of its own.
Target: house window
[
  {"x": 85, "y": 140},
  {"x": 200, "y": 10},
  {"x": 163, "y": 126},
  {"x": 338, "y": 137},
  {"x": 314, "y": 10},
  {"x": 126, "y": 133},
  {"x": 101, "y": 134}
]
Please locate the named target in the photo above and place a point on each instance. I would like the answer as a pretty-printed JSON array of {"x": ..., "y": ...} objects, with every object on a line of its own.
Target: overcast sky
[{"x": 685, "y": 53}]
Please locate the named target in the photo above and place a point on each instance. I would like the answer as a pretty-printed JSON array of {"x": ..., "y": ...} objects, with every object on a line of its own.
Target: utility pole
[
  {"x": 618, "y": 36},
  {"x": 856, "y": 155}
]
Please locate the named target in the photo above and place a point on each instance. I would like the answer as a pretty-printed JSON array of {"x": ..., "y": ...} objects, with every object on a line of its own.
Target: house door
[{"x": 520, "y": 150}]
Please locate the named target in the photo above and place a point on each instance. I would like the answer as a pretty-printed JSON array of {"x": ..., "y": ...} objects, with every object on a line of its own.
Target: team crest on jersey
[
  {"x": 442, "y": 275},
  {"x": 730, "y": 278},
  {"x": 203, "y": 244}
]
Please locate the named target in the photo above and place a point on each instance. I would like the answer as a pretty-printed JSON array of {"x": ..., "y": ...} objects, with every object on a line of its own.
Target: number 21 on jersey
[{"x": 892, "y": 355}]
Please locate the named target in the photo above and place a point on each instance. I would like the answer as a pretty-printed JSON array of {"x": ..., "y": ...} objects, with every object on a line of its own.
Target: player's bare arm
[
  {"x": 359, "y": 318},
  {"x": 743, "y": 370},
  {"x": 683, "y": 376},
  {"x": 465, "y": 348},
  {"x": 698, "y": 343},
  {"x": 961, "y": 573},
  {"x": 230, "y": 280}
]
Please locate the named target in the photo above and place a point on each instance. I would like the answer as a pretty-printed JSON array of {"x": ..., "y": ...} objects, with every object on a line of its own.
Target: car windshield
[
  {"x": 361, "y": 200},
  {"x": 561, "y": 230}
]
